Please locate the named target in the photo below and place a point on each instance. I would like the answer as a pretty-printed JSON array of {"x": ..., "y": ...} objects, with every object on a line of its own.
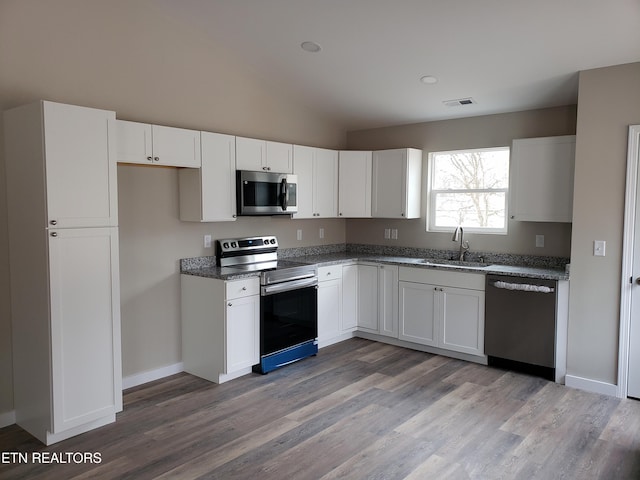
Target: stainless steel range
[{"x": 288, "y": 298}]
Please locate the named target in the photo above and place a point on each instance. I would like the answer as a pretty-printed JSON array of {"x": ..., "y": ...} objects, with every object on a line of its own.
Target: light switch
[
  {"x": 539, "y": 240},
  {"x": 387, "y": 233},
  {"x": 599, "y": 247},
  {"x": 299, "y": 234},
  {"x": 321, "y": 232},
  {"x": 207, "y": 241},
  {"x": 394, "y": 234}
]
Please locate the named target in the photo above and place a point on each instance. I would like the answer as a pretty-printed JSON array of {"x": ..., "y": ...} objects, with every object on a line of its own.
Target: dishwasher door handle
[{"x": 523, "y": 287}]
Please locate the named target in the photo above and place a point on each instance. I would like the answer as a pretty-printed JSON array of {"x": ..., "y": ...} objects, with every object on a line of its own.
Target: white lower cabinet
[
  {"x": 220, "y": 327},
  {"x": 442, "y": 309},
  {"x": 329, "y": 304},
  {"x": 349, "y": 298},
  {"x": 378, "y": 299}
]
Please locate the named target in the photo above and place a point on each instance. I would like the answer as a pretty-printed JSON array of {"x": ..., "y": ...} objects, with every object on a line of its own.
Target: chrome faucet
[{"x": 458, "y": 235}]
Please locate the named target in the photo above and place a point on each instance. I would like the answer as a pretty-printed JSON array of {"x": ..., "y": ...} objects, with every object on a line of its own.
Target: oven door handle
[{"x": 288, "y": 286}]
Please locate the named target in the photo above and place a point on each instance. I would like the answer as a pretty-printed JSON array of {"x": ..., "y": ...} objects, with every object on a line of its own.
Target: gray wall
[
  {"x": 125, "y": 56},
  {"x": 476, "y": 132},
  {"x": 608, "y": 102}
]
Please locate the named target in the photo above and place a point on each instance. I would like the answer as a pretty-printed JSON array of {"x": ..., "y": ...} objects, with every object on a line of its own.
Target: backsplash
[{"x": 488, "y": 258}]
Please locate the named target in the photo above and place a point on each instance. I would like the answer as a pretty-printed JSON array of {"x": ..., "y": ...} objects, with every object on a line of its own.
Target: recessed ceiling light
[
  {"x": 312, "y": 47},
  {"x": 429, "y": 79}
]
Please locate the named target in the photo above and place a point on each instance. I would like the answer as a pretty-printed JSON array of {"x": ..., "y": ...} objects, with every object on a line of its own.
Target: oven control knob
[
  {"x": 225, "y": 245},
  {"x": 273, "y": 241},
  {"x": 234, "y": 244}
]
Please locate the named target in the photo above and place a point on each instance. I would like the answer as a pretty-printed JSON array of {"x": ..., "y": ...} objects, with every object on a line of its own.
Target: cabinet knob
[
  {"x": 402, "y": 214},
  {"x": 340, "y": 214},
  {"x": 264, "y": 168},
  {"x": 512, "y": 217},
  {"x": 156, "y": 159},
  {"x": 638, "y": 280},
  {"x": 53, "y": 222},
  {"x": 150, "y": 159},
  {"x": 328, "y": 273},
  {"x": 244, "y": 289},
  {"x": 230, "y": 304},
  {"x": 54, "y": 234}
]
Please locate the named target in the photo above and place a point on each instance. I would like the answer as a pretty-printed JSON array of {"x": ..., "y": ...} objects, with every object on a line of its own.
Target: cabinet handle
[
  {"x": 150, "y": 159},
  {"x": 53, "y": 222},
  {"x": 156, "y": 159},
  {"x": 54, "y": 234}
]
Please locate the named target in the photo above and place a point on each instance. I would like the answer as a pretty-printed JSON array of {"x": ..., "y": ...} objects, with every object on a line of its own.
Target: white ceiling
[{"x": 508, "y": 55}]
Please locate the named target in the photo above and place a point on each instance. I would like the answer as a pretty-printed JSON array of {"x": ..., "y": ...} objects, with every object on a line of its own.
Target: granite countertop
[{"x": 205, "y": 266}]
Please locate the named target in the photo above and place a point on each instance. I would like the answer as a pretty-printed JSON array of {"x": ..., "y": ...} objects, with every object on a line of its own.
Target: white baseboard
[
  {"x": 151, "y": 375},
  {"x": 593, "y": 386},
  {"x": 7, "y": 418}
]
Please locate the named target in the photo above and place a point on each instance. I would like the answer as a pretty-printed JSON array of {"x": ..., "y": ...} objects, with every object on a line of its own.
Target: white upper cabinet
[
  {"x": 80, "y": 167},
  {"x": 397, "y": 177},
  {"x": 208, "y": 194},
  {"x": 317, "y": 171},
  {"x": 542, "y": 179},
  {"x": 261, "y": 155},
  {"x": 354, "y": 184},
  {"x": 158, "y": 145}
]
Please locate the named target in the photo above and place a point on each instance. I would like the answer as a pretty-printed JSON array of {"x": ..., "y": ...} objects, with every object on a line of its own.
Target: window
[{"x": 469, "y": 188}]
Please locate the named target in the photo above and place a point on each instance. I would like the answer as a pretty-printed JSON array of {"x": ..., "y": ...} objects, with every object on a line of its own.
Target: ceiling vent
[{"x": 458, "y": 102}]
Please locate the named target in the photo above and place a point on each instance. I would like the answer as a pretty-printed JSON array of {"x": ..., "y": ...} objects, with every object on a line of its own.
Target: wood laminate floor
[{"x": 359, "y": 410}]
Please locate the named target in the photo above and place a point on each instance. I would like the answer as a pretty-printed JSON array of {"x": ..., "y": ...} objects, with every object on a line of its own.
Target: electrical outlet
[
  {"x": 321, "y": 233},
  {"x": 599, "y": 247},
  {"x": 299, "y": 234},
  {"x": 539, "y": 240},
  {"x": 394, "y": 234},
  {"x": 387, "y": 233},
  {"x": 207, "y": 241}
]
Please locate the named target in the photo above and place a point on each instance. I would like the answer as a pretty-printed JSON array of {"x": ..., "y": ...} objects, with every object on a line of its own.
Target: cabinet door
[
  {"x": 418, "y": 309},
  {"x": 81, "y": 172},
  {"x": 389, "y": 184},
  {"x": 542, "y": 179},
  {"x": 329, "y": 310},
  {"x": 250, "y": 154},
  {"x": 388, "y": 300},
  {"x": 176, "y": 147},
  {"x": 218, "y": 177},
  {"x": 325, "y": 189},
  {"x": 462, "y": 316},
  {"x": 354, "y": 184},
  {"x": 349, "y": 297},
  {"x": 279, "y": 157},
  {"x": 242, "y": 333},
  {"x": 368, "y": 298},
  {"x": 134, "y": 142},
  {"x": 303, "y": 158},
  {"x": 85, "y": 325}
]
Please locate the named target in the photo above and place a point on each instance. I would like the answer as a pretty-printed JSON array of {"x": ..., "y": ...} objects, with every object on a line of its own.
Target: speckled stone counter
[{"x": 550, "y": 268}]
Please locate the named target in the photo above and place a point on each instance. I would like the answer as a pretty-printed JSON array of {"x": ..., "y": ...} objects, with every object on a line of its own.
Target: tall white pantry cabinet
[{"x": 63, "y": 239}]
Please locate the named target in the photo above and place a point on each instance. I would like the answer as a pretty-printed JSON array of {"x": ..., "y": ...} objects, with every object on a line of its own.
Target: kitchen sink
[{"x": 453, "y": 263}]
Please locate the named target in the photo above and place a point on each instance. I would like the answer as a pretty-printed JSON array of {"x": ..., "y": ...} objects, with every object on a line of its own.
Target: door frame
[{"x": 631, "y": 198}]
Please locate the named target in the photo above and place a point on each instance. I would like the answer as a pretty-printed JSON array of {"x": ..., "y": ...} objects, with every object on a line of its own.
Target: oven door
[
  {"x": 265, "y": 193},
  {"x": 288, "y": 316}
]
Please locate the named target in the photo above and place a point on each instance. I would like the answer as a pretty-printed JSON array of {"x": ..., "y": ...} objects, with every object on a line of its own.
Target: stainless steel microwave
[{"x": 266, "y": 193}]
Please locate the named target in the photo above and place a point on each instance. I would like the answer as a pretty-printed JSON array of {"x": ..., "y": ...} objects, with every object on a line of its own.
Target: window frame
[{"x": 432, "y": 193}]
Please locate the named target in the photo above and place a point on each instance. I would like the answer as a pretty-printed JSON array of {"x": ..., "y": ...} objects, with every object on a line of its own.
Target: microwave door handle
[{"x": 285, "y": 195}]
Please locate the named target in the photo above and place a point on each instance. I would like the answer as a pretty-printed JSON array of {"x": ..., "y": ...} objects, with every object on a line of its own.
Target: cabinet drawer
[
  {"x": 330, "y": 272},
  {"x": 242, "y": 288}
]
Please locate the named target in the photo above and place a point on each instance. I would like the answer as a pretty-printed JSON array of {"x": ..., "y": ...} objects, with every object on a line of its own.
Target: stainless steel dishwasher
[{"x": 520, "y": 324}]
